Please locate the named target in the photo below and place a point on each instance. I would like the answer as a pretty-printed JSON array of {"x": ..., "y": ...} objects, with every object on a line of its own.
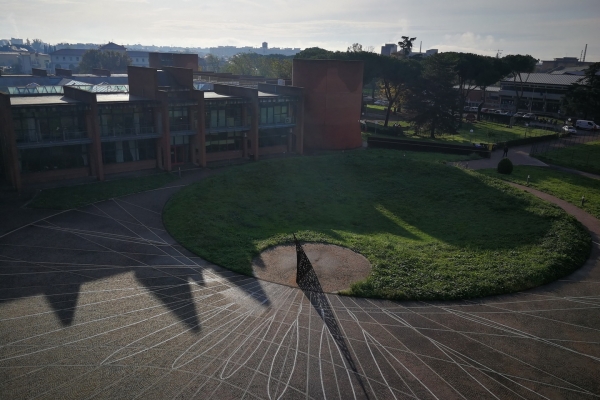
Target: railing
[
  {"x": 279, "y": 120},
  {"x": 230, "y": 123},
  {"x": 61, "y": 135},
  {"x": 180, "y": 127},
  {"x": 116, "y": 131}
]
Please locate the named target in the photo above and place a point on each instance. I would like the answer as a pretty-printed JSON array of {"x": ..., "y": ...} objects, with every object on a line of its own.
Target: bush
[{"x": 505, "y": 166}]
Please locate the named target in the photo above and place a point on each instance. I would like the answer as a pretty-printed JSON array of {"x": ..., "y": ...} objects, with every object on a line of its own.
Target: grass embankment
[
  {"x": 66, "y": 198},
  {"x": 430, "y": 231},
  {"x": 584, "y": 157},
  {"x": 565, "y": 186}
]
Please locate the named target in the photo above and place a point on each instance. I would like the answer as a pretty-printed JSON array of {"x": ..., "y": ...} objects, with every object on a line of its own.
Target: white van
[{"x": 588, "y": 125}]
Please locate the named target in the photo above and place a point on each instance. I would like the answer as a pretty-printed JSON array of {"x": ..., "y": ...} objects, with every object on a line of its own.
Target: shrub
[{"x": 505, "y": 166}]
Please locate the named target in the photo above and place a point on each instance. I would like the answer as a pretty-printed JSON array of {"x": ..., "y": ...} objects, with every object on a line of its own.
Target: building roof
[
  {"x": 213, "y": 95},
  {"x": 41, "y": 100},
  {"x": 69, "y": 52},
  {"x": 264, "y": 94},
  {"x": 546, "y": 79},
  {"x": 112, "y": 46}
]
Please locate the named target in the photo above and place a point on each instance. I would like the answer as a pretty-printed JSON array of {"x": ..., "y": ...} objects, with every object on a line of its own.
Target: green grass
[
  {"x": 584, "y": 157},
  {"x": 376, "y": 108},
  {"x": 565, "y": 186},
  {"x": 485, "y": 132},
  {"x": 66, "y": 198},
  {"x": 430, "y": 231}
]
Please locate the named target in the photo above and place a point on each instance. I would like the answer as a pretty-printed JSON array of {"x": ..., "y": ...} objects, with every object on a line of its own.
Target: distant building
[
  {"x": 110, "y": 46},
  {"x": 230, "y": 51},
  {"x": 388, "y": 49},
  {"x": 428, "y": 53},
  {"x": 560, "y": 63},
  {"x": 66, "y": 58},
  {"x": 139, "y": 58},
  {"x": 180, "y": 60},
  {"x": 542, "y": 93},
  {"x": 16, "y": 41}
]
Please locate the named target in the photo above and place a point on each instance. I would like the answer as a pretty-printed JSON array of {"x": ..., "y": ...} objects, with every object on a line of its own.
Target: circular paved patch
[{"x": 336, "y": 267}]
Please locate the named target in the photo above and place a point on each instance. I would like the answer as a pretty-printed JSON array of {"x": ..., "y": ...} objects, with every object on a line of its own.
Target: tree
[
  {"x": 432, "y": 97},
  {"x": 214, "y": 62},
  {"x": 406, "y": 45},
  {"x": 467, "y": 67},
  {"x": 271, "y": 66},
  {"x": 38, "y": 45},
  {"x": 355, "y": 48},
  {"x": 110, "y": 60},
  {"x": 583, "y": 97},
  {"x": 494, "y": 70},
  {"x": 315, "y": 53},
  {"x": 395, "y": 76},
  {"x": 517, "y": 65}
]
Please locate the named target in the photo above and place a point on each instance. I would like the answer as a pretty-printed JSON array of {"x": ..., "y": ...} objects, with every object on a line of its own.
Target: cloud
[
  {"x": 10, "y": 22},
  {"x": 470, "y": 42}
]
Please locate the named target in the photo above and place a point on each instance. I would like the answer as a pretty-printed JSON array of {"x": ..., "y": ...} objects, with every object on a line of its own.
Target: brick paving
[{"x": 100, "y": 302}]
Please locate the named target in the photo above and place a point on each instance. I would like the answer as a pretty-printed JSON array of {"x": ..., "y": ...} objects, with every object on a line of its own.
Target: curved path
[{"x": 100, "y": 302}]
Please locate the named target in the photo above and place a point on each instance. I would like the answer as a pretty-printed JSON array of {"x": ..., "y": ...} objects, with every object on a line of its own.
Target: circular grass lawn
[{"x": 429, "y": 230}]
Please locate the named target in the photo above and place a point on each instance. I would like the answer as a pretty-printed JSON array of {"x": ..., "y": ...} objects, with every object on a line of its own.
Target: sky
[{"x": 545, "y": 29}]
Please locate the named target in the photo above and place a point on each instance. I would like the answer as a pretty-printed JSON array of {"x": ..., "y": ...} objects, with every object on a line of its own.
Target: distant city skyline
[{"x": 546, "y": 29}]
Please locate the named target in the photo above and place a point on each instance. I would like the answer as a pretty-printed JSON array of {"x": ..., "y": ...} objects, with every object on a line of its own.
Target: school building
[{"x": 162, "y": 119}]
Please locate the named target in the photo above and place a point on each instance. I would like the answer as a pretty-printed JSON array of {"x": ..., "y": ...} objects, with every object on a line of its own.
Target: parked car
[
  {"x": 497, "y": 111},
  {"x": 473, "y": 109},
  {"x": 587, "y": 125},
  {"x": 530, "y": 116},
  {"x": 504, "y": 112},
  {"x": 466, "y": 108},
  {"x": 484, "y": 110},
  {"x": 381, "y": 103},
  {"x": 569, "y": 129},
  {"x": 518, "y": 114}
]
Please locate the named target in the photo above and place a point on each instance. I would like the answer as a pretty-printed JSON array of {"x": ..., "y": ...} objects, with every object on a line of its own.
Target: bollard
[
  {"x": 527, "y": 180},
  {"x": 582, "y": 201}
]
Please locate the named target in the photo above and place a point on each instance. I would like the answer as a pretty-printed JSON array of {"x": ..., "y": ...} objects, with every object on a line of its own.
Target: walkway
[{"x": 101, "y": 302}]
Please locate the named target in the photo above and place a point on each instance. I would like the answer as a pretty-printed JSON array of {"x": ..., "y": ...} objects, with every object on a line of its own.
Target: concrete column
[
  {"x": 158, "y": 126},
  {"x": 200, "y": 151},
  {"x": 166, "y": 137},
  {"x": 8, "y": 141},
  {"x": 93, "y": 127},
  {"x": 299, "y": 128},
  {"x": 254, "y": 108}
]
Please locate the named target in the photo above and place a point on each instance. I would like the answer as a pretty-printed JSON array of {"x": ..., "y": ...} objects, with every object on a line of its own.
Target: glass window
[
  {"x": 53, "y": 158},
  {"x": 224, "y": 141},
  {"x": 128, "y": 151},
  {"x": 179, "y": 119},
  {"x": 273, "y": 137}
]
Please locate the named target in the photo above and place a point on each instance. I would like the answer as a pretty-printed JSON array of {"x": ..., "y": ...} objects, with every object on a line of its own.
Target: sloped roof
[
  {"x": 546, "y": 79},
  {"x": 69, "y": 52},
  {"x": 112, "y": 46}
]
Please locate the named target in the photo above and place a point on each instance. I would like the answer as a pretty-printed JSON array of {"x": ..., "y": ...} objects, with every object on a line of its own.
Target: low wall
[
  {"x": 431, "y": 147},
  {"x": 263, "y": 151},
  {"x": 55, "y": 175},
  {"x": 224, "y": 155},
  {"x": 129, "y": 166}
]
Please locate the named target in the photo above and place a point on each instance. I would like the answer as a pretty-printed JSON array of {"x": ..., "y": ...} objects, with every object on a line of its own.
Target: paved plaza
[{"x": 100, "y": 302}]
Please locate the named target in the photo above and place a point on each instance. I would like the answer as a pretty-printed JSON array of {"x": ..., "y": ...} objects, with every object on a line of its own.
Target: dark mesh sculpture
[{"x": 303, "y": 265}]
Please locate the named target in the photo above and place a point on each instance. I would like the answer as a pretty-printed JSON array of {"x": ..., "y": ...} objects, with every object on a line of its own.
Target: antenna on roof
[
  {"x": 498, "y": 53},
  {"x": 421, "y": 45},
  {"x": 584, "y": 52}
]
